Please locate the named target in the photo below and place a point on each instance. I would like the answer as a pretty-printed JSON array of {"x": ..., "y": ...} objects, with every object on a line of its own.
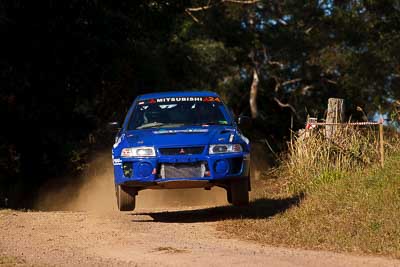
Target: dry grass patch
[
  {"x": 171, "y": 250},
  {"x": 313, "y": 159},
  {"x": 6, "y": 261},
  {"x": 350, "y": 203}
]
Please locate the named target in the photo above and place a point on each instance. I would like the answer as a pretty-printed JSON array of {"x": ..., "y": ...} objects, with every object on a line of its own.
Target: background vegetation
[{"x": 67, "y": 68}]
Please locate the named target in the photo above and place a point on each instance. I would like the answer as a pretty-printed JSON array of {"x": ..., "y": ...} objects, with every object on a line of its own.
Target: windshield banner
[{"x": 180, "y": 99}]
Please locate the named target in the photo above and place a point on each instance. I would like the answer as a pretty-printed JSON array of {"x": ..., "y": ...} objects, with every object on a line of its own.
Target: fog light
[
  {"x": 127, "y": 169},
  {"x": 221, "y": 166},
  {"x": 144, "y": 169}
]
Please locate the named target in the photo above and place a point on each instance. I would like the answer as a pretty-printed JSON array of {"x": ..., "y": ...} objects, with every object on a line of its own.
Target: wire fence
[
  {"x": 343, "y": 124},
  {"x": 333, "y": 127}
]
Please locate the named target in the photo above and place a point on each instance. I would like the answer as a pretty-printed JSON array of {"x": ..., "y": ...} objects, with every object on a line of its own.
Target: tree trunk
[
  {"x": 253, "y": 95},
  {"x": 335, "y": 114}
]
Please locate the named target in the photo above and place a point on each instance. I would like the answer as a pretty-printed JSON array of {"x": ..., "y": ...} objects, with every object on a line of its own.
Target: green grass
[
  {"x": 313, "y": 159},
  {"x": 354, "y": 210}
]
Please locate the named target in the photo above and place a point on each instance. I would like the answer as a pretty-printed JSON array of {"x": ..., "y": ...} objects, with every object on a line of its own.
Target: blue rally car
[{"x": 180, "y": 140}]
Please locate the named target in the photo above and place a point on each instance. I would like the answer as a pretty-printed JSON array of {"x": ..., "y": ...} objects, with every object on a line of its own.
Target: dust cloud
[
  {"x": 261, "y": 160},
  {"x": 181, "y": 198},
  {"x": 95, "y": 191}
]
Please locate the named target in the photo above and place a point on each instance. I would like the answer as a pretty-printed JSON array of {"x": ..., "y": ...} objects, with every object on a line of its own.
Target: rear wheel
[
  {"x": 126, "y": 198},
  {"x": 239, "y": 190}
]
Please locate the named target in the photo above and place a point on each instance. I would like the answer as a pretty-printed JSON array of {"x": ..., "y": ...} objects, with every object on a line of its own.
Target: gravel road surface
[{"x": 147, "y": 237}]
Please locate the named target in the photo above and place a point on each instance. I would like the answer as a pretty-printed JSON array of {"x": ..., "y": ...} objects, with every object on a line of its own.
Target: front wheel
[
  {"x": 239, "y": 192},
  {"x": 229, "y": 195},
  {"x": 126, "y": 198}
]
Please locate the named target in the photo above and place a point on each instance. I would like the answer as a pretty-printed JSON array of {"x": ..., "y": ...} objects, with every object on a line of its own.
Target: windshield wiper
[
  {"x": 159, "y": 124},
  {"x": 150, "y": 125},
  {"x": 207, "y": 123}
]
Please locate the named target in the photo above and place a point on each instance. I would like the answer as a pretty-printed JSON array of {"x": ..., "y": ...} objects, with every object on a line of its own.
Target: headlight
[
  {"x": 225, "y": 148},
  {"x": 138, "y": 152}
]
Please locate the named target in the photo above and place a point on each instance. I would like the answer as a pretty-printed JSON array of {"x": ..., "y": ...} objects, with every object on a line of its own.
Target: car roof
[{"x": 177, "y": 94}]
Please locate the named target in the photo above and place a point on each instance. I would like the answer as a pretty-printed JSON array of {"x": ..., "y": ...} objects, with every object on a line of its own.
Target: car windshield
[{"x": 177, "y": 112}]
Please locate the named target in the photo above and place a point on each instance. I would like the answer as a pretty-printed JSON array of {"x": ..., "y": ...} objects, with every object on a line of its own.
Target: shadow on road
[{"x": 258, "y": 209}]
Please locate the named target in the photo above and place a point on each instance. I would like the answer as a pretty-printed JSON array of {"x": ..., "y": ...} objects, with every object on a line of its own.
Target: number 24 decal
[{"x": 211, "y": 99}]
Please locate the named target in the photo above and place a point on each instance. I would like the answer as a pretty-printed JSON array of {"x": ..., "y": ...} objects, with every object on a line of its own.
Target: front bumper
[
  {"x": 146, "y": 172},
  {"x": 182, "y": 183}
]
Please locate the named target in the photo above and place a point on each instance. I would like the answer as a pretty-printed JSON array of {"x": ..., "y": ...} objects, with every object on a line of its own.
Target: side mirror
[
  {"x": 244, "y": 122},
  {"x": 113, "y": 126}
]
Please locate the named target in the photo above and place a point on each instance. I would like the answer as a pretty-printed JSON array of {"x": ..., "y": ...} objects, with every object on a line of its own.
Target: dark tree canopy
[{"x": 68, "y": 67}]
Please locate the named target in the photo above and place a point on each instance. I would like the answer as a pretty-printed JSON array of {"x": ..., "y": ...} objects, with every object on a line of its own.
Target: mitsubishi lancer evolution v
[{"x": 175, "y": 140}]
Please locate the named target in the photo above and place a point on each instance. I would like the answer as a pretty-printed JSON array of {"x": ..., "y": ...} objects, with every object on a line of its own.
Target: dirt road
[
  {"x": 146, "y": 238},
  {"x": 169, "y": 228}
]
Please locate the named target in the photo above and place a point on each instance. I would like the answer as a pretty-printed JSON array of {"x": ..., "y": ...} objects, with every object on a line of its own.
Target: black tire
[
  {"x": 126, "y": 198},
  {"x": 229, "y": 195},
  {"x": 240, "y": 192}
]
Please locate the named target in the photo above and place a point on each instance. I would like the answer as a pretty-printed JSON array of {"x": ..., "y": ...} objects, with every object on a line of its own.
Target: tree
[
  {"x": 66, "y": 68},
  {"x": 303, "y": 52}
]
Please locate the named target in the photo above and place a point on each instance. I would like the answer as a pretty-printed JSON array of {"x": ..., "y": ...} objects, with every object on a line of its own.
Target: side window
[
  {"x": 231, "y": 113},
  {"x": 137, "y": 118}
]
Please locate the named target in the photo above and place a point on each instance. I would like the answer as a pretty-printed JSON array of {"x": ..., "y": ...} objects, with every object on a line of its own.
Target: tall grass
[
  {"x": 314, "y": 159},
  {"x": 357, "y": 212},
  {"x": 350, "y": 203}
]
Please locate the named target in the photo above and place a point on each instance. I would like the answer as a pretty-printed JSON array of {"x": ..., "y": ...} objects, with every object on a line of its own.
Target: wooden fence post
[
  {"x": 335, "y": 114},
  {"x": 382, "y": 149}
]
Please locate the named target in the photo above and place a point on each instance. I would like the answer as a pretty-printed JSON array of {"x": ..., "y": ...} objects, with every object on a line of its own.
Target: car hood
[{"x": 181, "y": 136}]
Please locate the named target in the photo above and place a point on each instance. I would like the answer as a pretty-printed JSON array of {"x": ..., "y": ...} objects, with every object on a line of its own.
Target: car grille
[
  {"x": 182, "y": 150},
  {"x": 182, "y": 170}
]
